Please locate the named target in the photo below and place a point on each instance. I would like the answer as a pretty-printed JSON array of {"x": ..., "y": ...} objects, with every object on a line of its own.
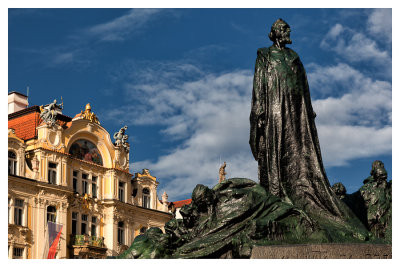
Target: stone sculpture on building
[
  {"x": 222, "y": 172},
  {"x": 48, "y": 113},
  {"x": 88, "y": 114},
  {"x": 121, "y": 139}
]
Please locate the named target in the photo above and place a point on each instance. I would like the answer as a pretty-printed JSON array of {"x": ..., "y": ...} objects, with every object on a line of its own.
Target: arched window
[
  {"x": 121, "y": 233},
  {"x": 51, "y": 213},
  {"x": 12, "y": 163},
  {"x": 146, "y": 198},
  {"x": 86, "y": 150}
]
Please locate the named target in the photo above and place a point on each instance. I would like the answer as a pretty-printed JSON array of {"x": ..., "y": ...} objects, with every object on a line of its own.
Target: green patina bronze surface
[
  {"x": 228, "y": 220},
  {"x": 372, "y": 203},
  {"x": 294, "y": 202}
]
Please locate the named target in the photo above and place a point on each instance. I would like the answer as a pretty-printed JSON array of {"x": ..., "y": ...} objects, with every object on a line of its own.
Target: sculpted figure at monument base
[{"x": 228, "y": 220}]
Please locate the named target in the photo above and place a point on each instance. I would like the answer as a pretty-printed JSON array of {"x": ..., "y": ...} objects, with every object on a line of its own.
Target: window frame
[
  {"x": 86, "y": 223},
  {"x": 52, "y": 173},
  {"x": 121, "y": 233},
  {"x": 12, "y": 163},
  {"x": 121, "y": 191},
  {"x": 52, "y": 215},
  {"x": 94, "y": 186},
  {"x": 146, "y": 198},
  {"x": 74, "y": 222},
  {"x": 19, "y": 212}
]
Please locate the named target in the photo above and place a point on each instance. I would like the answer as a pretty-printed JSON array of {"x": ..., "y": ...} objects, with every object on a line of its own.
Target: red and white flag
[{"x": 54, "y": 233}]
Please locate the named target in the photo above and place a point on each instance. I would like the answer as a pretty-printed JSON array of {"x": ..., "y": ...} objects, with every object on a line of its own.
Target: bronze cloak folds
[{"x": 283, "y": 136}]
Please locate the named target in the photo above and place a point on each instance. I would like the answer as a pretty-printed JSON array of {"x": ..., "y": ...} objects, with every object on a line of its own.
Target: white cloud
[
  {"x": 119, "y": 28},
  {"x": 341, "y": 143},
  {"x": 353, "y": 97},
  {"x": 357, "y": 122},
  {"x": 354, "y": 46},
  {"x": 209, "y": 115},
  {"x": 380, "y": 23}
]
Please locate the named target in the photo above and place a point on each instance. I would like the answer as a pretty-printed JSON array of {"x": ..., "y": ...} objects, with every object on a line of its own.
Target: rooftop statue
[
  {"x": 121, "y": 139},
  {"x": 49, "y": 113},
  {"x": 88, "y": 114},
  {"x": 283, "y": 135},
  {"x": 222, "y": 172}
]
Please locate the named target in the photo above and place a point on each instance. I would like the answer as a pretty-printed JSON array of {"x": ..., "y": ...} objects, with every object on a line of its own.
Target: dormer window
[{"x": 146, "y": 198}]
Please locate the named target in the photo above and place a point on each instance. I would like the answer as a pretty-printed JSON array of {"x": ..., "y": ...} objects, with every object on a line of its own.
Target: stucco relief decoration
[
  {"x": 86, "y": 150},
  {"x": 54, "y": 138}
]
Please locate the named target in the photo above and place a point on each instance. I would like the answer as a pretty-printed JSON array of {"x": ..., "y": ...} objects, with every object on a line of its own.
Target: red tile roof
[
  {"x": 24, "y": 122},
  {"x": 182, "y": 203}
]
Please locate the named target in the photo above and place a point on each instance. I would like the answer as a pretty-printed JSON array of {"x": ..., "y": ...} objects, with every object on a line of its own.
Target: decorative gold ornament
[{"x": 89, "y": 115}]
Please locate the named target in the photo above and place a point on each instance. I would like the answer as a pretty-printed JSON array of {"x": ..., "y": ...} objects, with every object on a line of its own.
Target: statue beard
[{"x": 283, "y": 39}]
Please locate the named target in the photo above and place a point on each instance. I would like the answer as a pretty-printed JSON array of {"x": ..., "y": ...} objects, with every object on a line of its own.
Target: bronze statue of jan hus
[{"x": 283, "y": 135}]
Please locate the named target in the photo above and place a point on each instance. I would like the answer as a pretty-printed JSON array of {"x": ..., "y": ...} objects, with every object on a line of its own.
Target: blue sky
[{"x": 181, "y": 79}]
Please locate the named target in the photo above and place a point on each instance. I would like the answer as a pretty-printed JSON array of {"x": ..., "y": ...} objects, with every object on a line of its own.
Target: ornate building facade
[{"x": 69, "y": 171}]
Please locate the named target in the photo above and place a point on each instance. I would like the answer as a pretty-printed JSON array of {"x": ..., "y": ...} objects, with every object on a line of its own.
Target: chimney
[{"x": 17, "y": 102}]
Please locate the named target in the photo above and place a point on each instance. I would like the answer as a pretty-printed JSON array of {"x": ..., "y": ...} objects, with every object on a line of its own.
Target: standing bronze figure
[{"x": 283, "y": 136}]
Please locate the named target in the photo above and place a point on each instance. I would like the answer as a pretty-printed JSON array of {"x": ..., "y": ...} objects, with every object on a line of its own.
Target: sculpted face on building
[{"x": 68, "y": 172}]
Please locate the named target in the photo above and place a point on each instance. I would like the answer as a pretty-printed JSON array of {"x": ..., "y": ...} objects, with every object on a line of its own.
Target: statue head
[
  {"x": 88, "y": 107},
  {"x": 203, "y": 197},
  {"x": 378, "y": 171},
  {"x": 339, "y": 190},
  {"x": 280, "y": 33}
]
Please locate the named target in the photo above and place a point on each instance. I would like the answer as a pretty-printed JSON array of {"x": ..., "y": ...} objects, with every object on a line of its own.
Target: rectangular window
[
  {"x": 85, "y": 184},
  {"x": 94, "y": 226},
  {"x": 52, "y": 173},
  {"x": 18, "y": 211},
  {"x": 51, "y": 213},
  {"x": 94, "y": 186},
  {"x": 18, "y": 253},
  {"x": 146, "y": 202},
  {"x": 75, "y": 181},
  {"x": 84, "y": 229},
  {"x": 121, "y": 233},
  {"x": 74, "y": 222},
  {"x": 12, "y": 163},
  {"x": 121, "y": 191}
]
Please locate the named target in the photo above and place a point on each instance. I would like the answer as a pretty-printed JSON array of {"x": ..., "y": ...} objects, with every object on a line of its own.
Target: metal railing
[{"x": 86, "y": 240}]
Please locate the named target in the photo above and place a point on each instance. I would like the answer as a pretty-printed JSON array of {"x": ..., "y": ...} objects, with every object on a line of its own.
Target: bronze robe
[{"x": 283, "y": 136}]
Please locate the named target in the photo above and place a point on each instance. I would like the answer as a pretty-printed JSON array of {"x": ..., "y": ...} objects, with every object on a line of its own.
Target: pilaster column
[
  {"x": 10, "y": 251},
  {"x": 64, "y": 171},
  {"x": 11, "y": 220},
  {"x": 25, "y": 253},
  {"x": 25, "y": 215}
]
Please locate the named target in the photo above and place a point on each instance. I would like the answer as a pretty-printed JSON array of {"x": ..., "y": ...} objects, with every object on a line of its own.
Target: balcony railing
[{"x": 86, "y": 240}]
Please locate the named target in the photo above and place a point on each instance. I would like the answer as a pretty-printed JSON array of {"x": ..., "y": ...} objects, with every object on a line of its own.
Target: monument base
[{"x": 323, "y": 251}]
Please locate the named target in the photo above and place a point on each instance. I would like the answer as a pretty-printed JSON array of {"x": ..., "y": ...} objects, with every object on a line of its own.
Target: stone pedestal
[{"x": 323, "y": 251}]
